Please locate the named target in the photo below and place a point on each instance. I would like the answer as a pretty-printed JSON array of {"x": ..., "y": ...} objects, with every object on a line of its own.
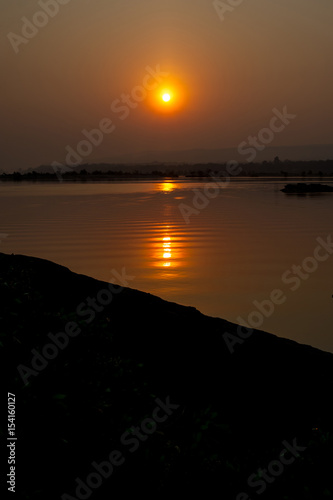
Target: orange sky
[{"x": 226, "y": 75}]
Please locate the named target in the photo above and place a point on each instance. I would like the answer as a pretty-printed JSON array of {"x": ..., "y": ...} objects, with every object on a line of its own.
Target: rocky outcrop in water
[{"x": 301, "y": 188}]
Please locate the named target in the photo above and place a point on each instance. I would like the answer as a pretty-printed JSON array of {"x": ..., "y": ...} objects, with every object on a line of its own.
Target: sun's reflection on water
[
  {"x": 167, "y": 246},
  {"x": 167, "y": 249},
  {"x": 166, "y": 187}
]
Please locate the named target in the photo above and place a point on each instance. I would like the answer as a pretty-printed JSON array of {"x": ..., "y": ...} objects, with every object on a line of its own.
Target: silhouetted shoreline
[
  {"x": 231, "y": 412},
  {"x": 111, "y": 172}
]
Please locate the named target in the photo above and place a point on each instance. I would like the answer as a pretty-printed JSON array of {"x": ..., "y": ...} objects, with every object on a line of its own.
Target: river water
[{"x": 223, "y": 251}]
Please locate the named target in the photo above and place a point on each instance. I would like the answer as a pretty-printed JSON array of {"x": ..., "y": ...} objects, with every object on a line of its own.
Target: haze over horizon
[{"x": 101, "y": 64}]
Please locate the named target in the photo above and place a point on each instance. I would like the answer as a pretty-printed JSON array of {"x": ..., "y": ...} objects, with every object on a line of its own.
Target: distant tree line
[
  {"x": 104, "y": 172},
  {"x": 83, "y": 175}
]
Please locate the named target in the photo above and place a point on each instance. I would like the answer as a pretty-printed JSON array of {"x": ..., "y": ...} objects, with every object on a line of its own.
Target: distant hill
[
  {"x": 149, "y": 161},
  {"x": 294, "y": 153}
]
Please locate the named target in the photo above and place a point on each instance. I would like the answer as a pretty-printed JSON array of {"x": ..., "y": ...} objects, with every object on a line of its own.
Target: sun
[
  {"x": 169, "y": 97},
  {"x": 166, "y": 97}
]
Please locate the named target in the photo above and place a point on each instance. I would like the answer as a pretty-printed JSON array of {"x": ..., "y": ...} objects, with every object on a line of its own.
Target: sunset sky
[{"x": 224, "y": 75}]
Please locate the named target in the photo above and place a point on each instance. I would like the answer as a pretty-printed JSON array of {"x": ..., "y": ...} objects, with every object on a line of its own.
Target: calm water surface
[{"x": 230, "y": 254}]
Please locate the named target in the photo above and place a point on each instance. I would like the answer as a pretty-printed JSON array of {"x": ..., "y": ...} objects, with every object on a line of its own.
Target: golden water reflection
[
  {"x": 167, "y": 245},
  {"x": 166, "y": 186},
  {"x": 168, "y": 249}
]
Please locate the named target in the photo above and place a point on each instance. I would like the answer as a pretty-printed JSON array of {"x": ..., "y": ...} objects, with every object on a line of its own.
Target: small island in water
[{"x": 304, "y": 188}]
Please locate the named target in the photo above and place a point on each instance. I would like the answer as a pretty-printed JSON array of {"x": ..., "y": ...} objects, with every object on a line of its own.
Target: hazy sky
[{"x": 226, "y": 75}]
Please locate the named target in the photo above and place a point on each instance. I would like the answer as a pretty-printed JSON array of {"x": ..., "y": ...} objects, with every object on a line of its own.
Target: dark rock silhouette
[
  {"x": 234, "y": 410},
  {"x": 302, "y": 187}
]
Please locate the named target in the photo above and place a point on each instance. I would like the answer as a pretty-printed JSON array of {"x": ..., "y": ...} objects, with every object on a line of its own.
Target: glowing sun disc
[{"x": 166, "y": 97}]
